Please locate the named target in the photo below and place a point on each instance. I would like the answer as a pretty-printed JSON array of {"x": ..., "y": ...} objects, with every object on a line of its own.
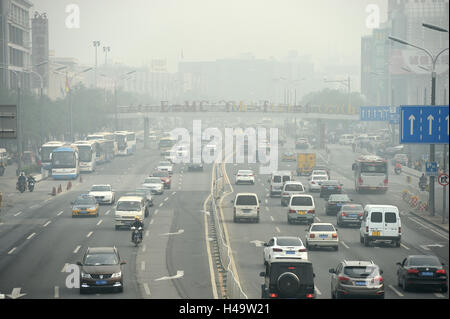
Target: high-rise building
[
  {"x": 40, "y": 50},
  {"x": 15, "y": 43}
]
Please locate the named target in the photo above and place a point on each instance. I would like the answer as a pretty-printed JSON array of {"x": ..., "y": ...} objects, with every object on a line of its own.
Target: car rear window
[
  {"x": 424, "y": 261},
  {"x": 322, "y": 228},
  {"x": 100, "y": 189},
  {"x": 376, "y": 217},
  {"x": 85, "y": 201},
  {"x": 360, "y": 271},
  {"x": 277, "y": 179},
  {"x": 128, "y": 206},
  {"x": 289, "y": 242},
  {"x": 286, "y": 178},
  {"x": 351, "y": 208},
  {"x": 320, "y": 178},
  {"x": 301, "y": 201},
  {"x": 330, "y": 183},
  {"x": 244, "y": 200},
  {"x": 304, "y": 271},
  {"x": 339, "y": 198},
  {"x": 390, "y": 217},
  {"x": 100, "y": 259},
  {"x": 294, "y": 188}
]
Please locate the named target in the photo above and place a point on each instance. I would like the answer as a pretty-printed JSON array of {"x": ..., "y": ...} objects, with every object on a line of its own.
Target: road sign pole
[
  {"x": 444, "y": 200},
  {"x": 432, "y": 147}
]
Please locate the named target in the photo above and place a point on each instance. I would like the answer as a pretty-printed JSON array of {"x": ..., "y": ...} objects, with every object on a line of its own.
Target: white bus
[
  {"x": 131, "y": 139},
  {"x": 104, "y": 135},
  {"x": 371, "y": 173},
  {"x": 87, "y": 153},
  {"x": 126, "y": 142},
  {"x": 45, "y": 153},
  {"x": 65, "y": 163}
]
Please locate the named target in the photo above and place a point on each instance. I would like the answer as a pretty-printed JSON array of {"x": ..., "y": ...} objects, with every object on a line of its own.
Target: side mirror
[
  {"x": 353, "y": 167},
  {"x": 232, "y": 201},
  {"x": 381, "y": 271},
  {"x": 123, "y": 262},
  {"x": 266, "y": 245},
  {"x": 262, "y": 274},
  {"x": 331, "y": 271},
  {"x": 398, "y": 264},
  {"x": 79, "y": 263}
]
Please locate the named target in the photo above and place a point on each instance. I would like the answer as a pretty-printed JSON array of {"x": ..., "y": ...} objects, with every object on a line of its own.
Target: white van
[
  {"x": 127, "y": 208},
  {"x": 246, "y": 206},
  {"x": 380, "y": 222},
  {"x": 301, "y": 208},
  {"x": 277, "y": 180},
  {"x": 346, "y": 139}
]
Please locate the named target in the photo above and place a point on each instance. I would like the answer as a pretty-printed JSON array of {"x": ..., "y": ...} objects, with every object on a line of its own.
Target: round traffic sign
[{"x": 443, "y": 179}]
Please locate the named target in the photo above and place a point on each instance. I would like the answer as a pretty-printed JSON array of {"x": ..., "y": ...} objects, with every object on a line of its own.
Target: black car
[
  {"x": 330, "y": 187},
  {"x": 350, "y": 214},
  {"x": 422, "y": 270},
  {"x": 288, "y": 278},
  {"x": 334, "y": 203},
  {"x": 195, "y": 167}
]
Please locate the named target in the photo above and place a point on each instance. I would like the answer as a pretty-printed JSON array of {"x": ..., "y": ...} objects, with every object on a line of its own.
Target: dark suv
[
  {"x": 330, "y": 187},
  {"x": 101, "y": 269},
  {"x": 288, "y": 278}
]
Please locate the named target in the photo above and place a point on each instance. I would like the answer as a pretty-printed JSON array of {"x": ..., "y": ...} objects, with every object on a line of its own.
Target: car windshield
[
  {"x": 244, "y": 200},
  {"x": 152, "y": 180},
  {"x": 424, "y": 261},
  {"x": 293, "y": 188},
  {"x": 289, "y": 241},
  {"x": 301, "y": 201},
  {"x": 100, "y": 189},
  {"x": 100, "y": 259},
  {"x": 319, "y": 172},
  {"x": 361, "y": 271},
  {"x": 128, "y": 206},
  {"x": 322, "y": 228},
  {"x": 161, "y": 174},
  {"x": 85, "y": 201},
  {"x": 339, "y": 198}
]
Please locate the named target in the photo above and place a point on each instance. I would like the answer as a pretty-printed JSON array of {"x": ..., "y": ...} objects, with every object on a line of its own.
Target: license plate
[
  {"x": 361, "y": 283},
  {"x": 330, "y": 187},
  {"x": 353, "y": 216},
  {"x": 246, "y": 211},
  {"x": 427, "y": 274},
  {"x": 290, "y": 252},
  {"x": 323, "y": 236},
  {"x": 373, "y": 188},
  {"x": 375, "y": 233},
  {"x": 339, "y": 205},
  {"x": 83, "y": 212},
  {"x": 301, "y": 212},
  {"x": 101, "y": 282}
]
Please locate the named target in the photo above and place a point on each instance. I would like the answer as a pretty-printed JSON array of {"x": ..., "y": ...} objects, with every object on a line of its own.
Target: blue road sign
[
  {"x": 424, "y": 124},
  {"x": 431, "y": 168},
  {"x": 394, "y": 117},
  {"x": 374, "y": 113}
]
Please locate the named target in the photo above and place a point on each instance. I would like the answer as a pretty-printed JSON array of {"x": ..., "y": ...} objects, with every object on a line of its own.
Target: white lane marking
[
  {"x": 404, "y": 246},
  {"x": 418, "y": 222},
  {"x": 56, "y": 292},
  {"x": 142, "y": 265},
  {"x": 34, "y": 206},
  {"x": 17, "y": 214},
  {"x": 267, "y": 208},
  {"x": 11, "y": 251},
  {"x": 144, "y": 247},
  {"x": 156, "y": 212},
  {"x": 160, "y": 205},
  {"x": 151, "y": 221},
  {"x": 60, "y": 213},
  {"x": 266, "y": 201},
  {"x": 64, "y": 268},
  {"x": 317, "y": 290},
  {"x": 147, "y": 233},
  {"x": 271, "y": 218},
  {"x": 31, "y": 236},
  {"x": 345, "y": 245},
  {"x": 174, "y": 193},
  {"x": 278, "y": 230},
  {"x": 318, "y": 219},
  {"x": 439, "y": 295},
  {"x": 89, "y": 235},
  {"x": 107, "y": 212},
  {"x": 165, "y": 199},
  {"x": 77, "y": 249},
  {"x": 99, "y": 222},
  {"x": 47, "y": 223},
  {"x": 147, "y": 289},
  {"x": 396, "y": 291},
  {"x": 2, "y": 224}
]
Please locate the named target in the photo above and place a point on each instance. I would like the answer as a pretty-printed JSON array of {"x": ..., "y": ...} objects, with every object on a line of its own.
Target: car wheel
[
  {"x": 405, "y": 285},
  {"x": 116, "y": 227},
  {"x": 289, "y": 221},
  {"x": 83, "y": 291},
  {"x": 257, "y": 220},
  {"x": 339, "y": 295},
  {"x": 120, "y": 289},
  {"x": 397, "y": 243},
  {"x": 366, "y": 241},
  {"x": 235, "y": 219},
  {"x": 361, "y": 239},
  {"x": 336, "y": 248},
  {"x": 444, "y": 289}
]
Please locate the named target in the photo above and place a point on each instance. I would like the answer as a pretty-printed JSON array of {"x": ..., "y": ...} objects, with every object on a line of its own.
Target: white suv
[
  {"x": 246, "y": 206},
  {"x": 301, "y": 208}
]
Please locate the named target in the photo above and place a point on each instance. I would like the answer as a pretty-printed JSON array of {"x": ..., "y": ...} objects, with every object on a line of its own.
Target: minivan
[
  {"x": 380, "y": 222},
  {"x": 246, "y": 206},
  {"x": 301, "y": 208},
  {"x": 277, "y": 180},
  {"x": 127, "y": 209},
  {"x": 289, "y": 189}
]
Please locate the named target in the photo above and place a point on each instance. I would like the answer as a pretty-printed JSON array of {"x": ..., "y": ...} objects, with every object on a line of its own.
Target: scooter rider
[
  {"x": 422, "y": 181},
  {"x": 137, "y": 224},
  {"x": 398, "y": 168},
  {"x": 22, "y": 180}
]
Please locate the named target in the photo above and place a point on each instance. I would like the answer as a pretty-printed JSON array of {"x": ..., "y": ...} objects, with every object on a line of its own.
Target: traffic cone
[
  {"x": 54, "y": 191},
  {"x": 59, "y": 189}
]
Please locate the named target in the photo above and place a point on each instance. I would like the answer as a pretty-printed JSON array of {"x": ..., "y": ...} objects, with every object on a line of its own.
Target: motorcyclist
[
  {"x": 422, "y": 181},
  {"x": 22, "y": 179},
  {"x": 30, "y": 178},
  {"x": 398, "y": 167},
  {"x": 137, "y": 224}
]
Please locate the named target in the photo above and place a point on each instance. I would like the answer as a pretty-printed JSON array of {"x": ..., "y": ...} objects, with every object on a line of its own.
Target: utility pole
[{"x": 96, "y": 45}]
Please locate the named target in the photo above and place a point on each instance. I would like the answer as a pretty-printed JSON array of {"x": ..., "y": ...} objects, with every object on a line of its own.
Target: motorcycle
[
  {"x": 31, "y": 185},
  {"x": 398, "y": 170},
  {"x": 136, "y": 236},
  {"x": 21, "y": 187},
  {"x": 422, "y": 186}
]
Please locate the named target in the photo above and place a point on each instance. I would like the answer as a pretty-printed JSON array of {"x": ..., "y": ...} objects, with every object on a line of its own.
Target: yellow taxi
[{"x": 85, "y": 205}]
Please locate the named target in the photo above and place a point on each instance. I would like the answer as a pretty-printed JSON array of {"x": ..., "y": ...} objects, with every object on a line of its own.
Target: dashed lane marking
[
  {"x": 11, "y": 251},
  {"x": 60, "y": 213},
  {"x": 89, "y": 235},
  {"x": 76, "y": 249},
  {"x": 147, "y": 289},
  {"x": 47, "y": 223},
  {"x": 396, "y": 291},
  {"x": 31, "y": 236},
  {"x": 17, "y": 214}
]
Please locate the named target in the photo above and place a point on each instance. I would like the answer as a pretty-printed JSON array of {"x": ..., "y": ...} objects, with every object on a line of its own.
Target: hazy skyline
[{"x": 329, "y": 31}]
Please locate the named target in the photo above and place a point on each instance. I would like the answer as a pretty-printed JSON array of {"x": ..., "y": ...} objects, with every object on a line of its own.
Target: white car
[
  {"x": 104, "y": 193},
  {"x": 315, "y": 182},
  {"x": 165, "y": 166},
  {"x": 245, "y": 176},
  {"x": 322, "y": 235},
  {"x": 154, "y": 184},
  {"x": 291, "y": 188},
  {"x": 284, "y": 248}
]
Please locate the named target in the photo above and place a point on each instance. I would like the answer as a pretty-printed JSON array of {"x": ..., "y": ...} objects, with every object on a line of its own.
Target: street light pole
[{"x": 96, "y": 45}]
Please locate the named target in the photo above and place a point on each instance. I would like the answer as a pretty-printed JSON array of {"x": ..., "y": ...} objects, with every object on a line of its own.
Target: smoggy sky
[{"x": 329, "y": 31}]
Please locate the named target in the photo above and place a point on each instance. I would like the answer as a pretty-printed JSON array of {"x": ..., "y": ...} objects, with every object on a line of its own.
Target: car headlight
[
  {"x": 116, "y": 274},
  {"x": 85, "y": 275}
]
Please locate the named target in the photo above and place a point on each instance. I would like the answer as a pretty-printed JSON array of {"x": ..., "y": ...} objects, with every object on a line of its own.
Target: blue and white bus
[
  {"x": 87, "y": 154},
  {"x": 65, "y": 163},
  {"x": 45, "y": 153}
]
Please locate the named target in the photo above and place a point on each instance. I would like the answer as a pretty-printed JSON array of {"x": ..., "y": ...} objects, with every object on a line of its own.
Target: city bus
[
  {"x": 122, "y": 144},
  {"x": 45, "y": 153},
  {"x": 87, "y": 154},
  {"x": 65, "y": 163},
  {"x": 131, "y": 140},
  {"x": 104, "y": 135},
  {"x": 371, "y": 173},
  {"x": 105, "y": 151},
  {"x": 166, "y": 143}
]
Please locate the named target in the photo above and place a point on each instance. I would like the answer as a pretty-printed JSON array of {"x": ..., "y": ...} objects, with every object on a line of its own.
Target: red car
[{"x": 165, "y": 177}]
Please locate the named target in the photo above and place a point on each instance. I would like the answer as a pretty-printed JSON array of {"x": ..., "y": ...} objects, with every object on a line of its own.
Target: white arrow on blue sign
[{"x": 424, "y": 124}]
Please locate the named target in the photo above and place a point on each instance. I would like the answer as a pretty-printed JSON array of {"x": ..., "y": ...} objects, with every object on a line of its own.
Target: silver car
[{"x": 289, "y": 189}]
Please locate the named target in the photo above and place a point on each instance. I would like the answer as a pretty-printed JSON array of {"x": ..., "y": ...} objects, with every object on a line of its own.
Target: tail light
[
  {"x": 251, "y": 175},
  {"x": 413, "y": 271},
  {"x": 367, "y": 229},
  {"x": 441, "y": 272},
  {"x": 334, "y": 235},
  {"x": 313, "y": 182},
  {"x": 344, "y": 280},
  {"x": 360, "y": 180},
  {"x": 386, "y": 182},
  {"x": 239, "y": 175},
  {"x": 339, "y": 187},
  {"x": 377, "y": 280},
  {"x": 273, "y": 295},
  {"x": 312, "y": 236},
  {"x": 399, "y": 230},
  {"x": 303, "y": 250},
  {"x": 292, "y": 211},
  {"x": 277, "y": 250},
  {"x": 360, "y": 215},
  {"x": 311, "y": 211},
  {"x": 285, "y": 194},
  {"x": 344, "y": 214},
  {"x": 309, "y": 296}
]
